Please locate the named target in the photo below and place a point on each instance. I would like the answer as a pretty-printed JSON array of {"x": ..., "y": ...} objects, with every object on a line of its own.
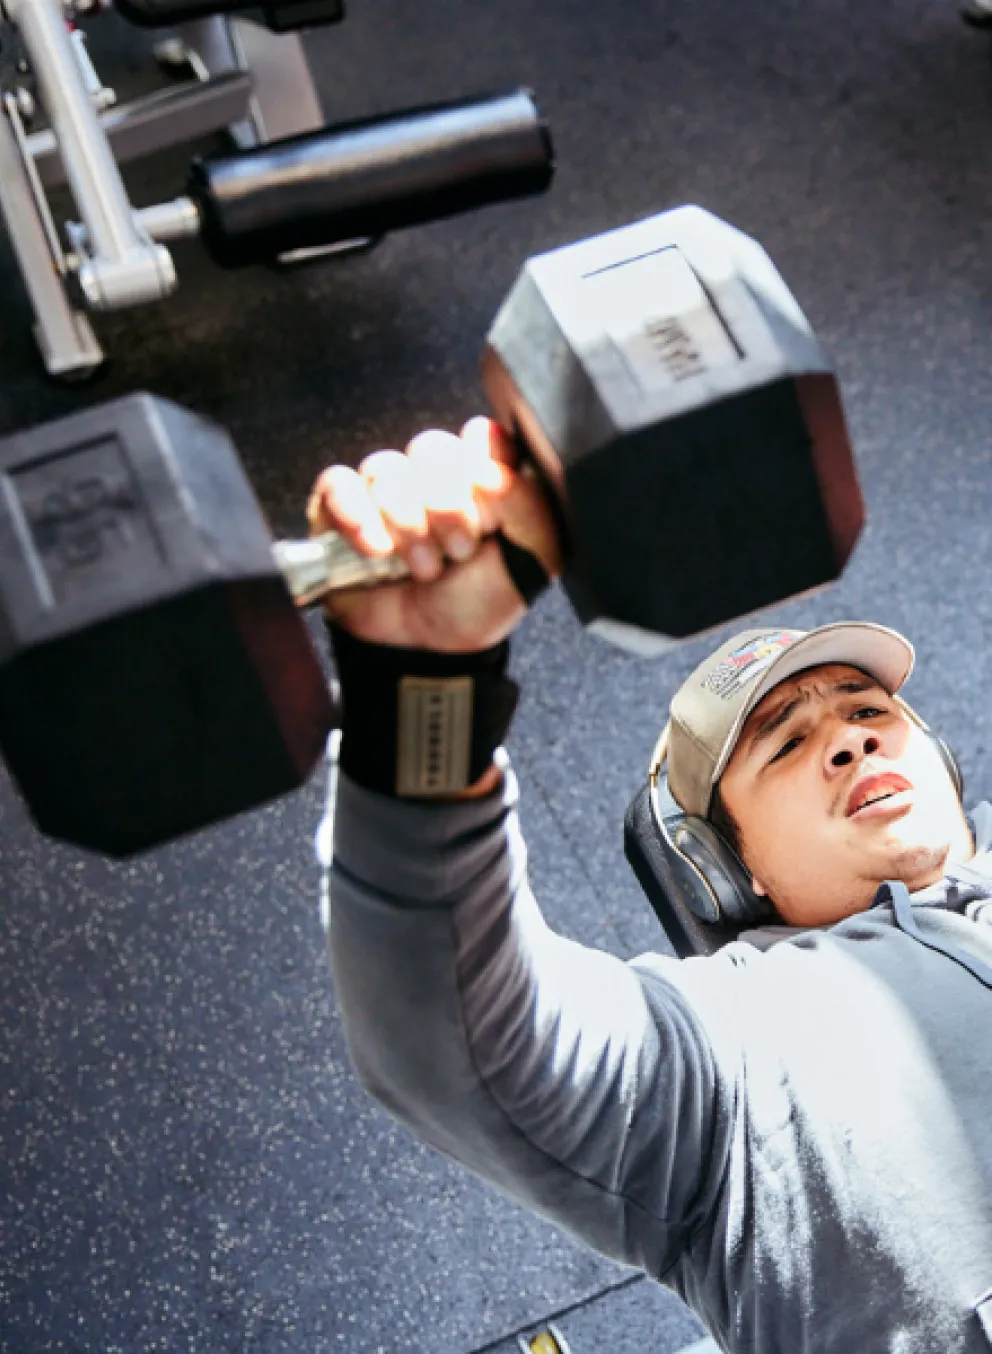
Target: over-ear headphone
[
  {"x": 707, "y": 875},
  {"x": 951, "y": 764}
]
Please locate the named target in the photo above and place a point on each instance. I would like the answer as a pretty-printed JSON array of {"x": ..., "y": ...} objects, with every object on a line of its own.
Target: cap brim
[{"x": 882, "y": 653}]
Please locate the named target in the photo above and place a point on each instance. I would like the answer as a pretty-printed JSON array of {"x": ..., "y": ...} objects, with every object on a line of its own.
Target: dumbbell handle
[{"x": 328, "y": 563}]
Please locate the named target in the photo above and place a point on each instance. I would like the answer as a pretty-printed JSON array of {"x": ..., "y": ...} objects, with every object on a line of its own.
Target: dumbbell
[{"x": 156, "y": 674}]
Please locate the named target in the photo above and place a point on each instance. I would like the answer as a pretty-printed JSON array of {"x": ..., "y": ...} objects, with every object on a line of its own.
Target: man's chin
[
  {"x": 909, "y": 846},
  {"x": 917, "y": 863}
]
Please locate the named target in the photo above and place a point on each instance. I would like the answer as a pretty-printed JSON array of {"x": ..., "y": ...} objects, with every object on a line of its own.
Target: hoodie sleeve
[{"x": 580, "y": 1085}]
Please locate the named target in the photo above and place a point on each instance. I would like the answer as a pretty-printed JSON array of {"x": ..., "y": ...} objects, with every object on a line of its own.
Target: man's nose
[{"x": 849, "y": 743}]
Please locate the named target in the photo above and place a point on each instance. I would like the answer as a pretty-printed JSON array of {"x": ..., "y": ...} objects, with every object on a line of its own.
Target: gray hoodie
[{"x": 794, "y": 1135}]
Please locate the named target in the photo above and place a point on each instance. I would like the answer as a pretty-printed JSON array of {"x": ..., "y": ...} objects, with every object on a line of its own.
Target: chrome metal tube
[
  {"x": 90, "y": 166},
  {"x": 68, "y": 345},
  {"x": 176, "y": 220},
  {"x": 155, "y": 122},
  {"x": 125, "y": 267},
  {"x": 328, "y": 563}
]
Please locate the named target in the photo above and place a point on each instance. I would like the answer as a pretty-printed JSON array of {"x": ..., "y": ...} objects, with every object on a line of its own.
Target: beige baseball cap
[{"x": 709, "y": 710}]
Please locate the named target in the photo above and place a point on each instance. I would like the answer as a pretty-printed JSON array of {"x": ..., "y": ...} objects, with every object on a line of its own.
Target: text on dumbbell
[
  {"x": 83, "y": 515},
  {"x": 660, "y": 318},
  {"x": 675, "y": 347}
]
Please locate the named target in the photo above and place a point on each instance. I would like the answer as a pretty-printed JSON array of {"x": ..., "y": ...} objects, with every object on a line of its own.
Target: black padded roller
[
  {"x": 365, "y": 179},
  {"x": 280, "y": 16}
]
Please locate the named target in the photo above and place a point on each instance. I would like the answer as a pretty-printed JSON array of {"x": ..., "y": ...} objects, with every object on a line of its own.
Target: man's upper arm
[{"x": 582, "y": 1086}]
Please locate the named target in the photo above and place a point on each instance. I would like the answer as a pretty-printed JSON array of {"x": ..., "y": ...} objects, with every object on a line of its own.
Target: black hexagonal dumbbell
[
  {"x": 668, "y": 383},
  {"x": 156, "y": 675}
]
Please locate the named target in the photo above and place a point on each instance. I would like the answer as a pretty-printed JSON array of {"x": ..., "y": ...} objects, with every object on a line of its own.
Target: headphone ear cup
[
  {"x": 951, "y": 764},
  {"x": 726, "y": 876}
]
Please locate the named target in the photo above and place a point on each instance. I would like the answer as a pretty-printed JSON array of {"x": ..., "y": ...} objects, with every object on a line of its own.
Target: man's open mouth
[{"x": 873, "y": 789}]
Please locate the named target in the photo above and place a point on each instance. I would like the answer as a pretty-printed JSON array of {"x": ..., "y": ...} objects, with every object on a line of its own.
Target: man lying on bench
[{"x": 794, "y": 1134}]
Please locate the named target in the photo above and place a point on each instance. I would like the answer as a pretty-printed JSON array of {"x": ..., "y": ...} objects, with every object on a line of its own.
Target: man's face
[{"x": 810, "y": 753}]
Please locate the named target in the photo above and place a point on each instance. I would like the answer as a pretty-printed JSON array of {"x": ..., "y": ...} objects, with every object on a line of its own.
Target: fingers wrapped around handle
[{"x": 476, "y": 535}]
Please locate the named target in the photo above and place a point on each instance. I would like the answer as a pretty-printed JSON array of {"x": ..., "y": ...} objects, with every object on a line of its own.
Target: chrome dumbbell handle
[{"x": 328, "y": 563}]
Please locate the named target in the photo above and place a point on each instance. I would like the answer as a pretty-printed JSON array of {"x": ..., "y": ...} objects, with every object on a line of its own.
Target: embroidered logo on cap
[{"x": 748, "y": 662}]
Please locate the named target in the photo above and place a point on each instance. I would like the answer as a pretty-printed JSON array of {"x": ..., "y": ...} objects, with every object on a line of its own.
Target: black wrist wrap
[
  {"x": 527, "y": 574},
  {"x": 420, "y": 724}
]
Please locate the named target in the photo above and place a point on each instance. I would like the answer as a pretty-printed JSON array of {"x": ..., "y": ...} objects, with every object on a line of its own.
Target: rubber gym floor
[{"x": 188, "y": 1161}]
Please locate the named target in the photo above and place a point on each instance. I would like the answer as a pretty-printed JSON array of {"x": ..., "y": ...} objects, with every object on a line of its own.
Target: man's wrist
[{"x": 418, "y": 724}]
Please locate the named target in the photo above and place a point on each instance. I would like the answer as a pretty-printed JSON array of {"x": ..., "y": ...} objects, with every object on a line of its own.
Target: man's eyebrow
[{"x": 776, "y": 718}]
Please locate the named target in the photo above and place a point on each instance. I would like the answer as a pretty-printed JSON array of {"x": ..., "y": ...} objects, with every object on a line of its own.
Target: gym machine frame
[{"x": 59, "y": 124}]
